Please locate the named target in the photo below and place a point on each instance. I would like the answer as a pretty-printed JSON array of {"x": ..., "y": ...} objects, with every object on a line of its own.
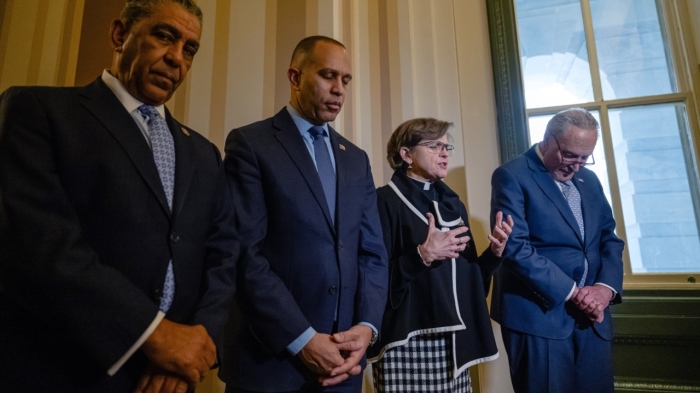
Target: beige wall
[{"x": 410, "y": 58}]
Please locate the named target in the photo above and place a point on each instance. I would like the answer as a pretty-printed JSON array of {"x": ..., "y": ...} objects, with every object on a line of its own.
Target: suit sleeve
[
  {"x": 222, "y": 250},
  {"x": 274, "y": 315},
  {"x": 46, "y": 265},
  {"x": 611, "y": 247},
  {"x": 372, "y": 260},
  {"x": 547, "y": 281}
]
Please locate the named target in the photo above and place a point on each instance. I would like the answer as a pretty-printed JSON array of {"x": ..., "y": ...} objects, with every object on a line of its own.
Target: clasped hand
[
  {"x": 592, "y": 300},
  {"x": 180, "y": 357},
  {"x": 336, "y": 357}
]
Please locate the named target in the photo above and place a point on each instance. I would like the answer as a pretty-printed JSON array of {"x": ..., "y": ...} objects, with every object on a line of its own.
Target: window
[{"x": 624, "y": 61}]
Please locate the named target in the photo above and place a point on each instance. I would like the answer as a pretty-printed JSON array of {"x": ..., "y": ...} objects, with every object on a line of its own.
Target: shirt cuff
[
  {"x": 374, "y": 329},
  {"x": 570, "y": 293},
  {"x": 609, "y": 287},
  {"x": 301, "y": 341},
  {"x": 152, "y": 327}
]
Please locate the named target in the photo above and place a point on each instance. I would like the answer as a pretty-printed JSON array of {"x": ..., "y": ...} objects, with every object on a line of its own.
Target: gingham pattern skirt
[{"x": 424, "y": 364}]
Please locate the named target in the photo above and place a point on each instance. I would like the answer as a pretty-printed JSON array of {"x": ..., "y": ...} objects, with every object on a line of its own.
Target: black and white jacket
[{"x": 447, "y": 297}]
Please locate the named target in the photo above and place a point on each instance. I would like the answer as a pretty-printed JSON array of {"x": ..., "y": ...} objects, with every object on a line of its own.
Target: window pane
[
  {"x": 553, "y": 50},
  {"x": 660, "y": 219},
  {"x": 538, "y": 124},
  {"x": 631, "y": 49}
]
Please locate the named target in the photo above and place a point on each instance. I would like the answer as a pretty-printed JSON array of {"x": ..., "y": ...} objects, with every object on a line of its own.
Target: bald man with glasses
[{"x": 563, "y": 268}]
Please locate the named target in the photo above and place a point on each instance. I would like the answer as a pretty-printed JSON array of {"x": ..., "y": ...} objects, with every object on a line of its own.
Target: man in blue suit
[
  {"x": 563, "y": 268},
  {"x": 313, "y": 275}
]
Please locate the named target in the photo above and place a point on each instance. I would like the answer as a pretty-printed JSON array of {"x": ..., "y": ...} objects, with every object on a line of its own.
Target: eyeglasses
[
  {"x": 437, "y": 147},
  {"x": 572, "y": 159}
]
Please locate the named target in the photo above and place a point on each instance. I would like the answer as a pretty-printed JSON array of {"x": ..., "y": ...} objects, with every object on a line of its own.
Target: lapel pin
[
  {"x": 342, "y": 147},
  {"x": 579, "y": 179},
  {"x": 184, "y": 131}
]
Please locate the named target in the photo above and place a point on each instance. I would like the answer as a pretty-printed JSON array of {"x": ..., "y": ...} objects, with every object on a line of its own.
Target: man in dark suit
[
  {"x": 117, "y": 241},
  {"x": 562, "y": 269},
  {"x": 312, "y": 280}
]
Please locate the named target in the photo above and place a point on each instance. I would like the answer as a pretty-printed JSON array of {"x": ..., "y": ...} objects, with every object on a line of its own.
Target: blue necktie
[
  {"x": 573, "y": 197},
  {"x": 164, "y": 156},
  {"x": 324, "y": 167}
]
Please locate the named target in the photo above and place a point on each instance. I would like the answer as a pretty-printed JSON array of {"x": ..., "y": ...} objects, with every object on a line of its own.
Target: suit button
[
  {"x": 332, "y": 290},
  {"x": 174, "y": 237},
  {"x": 158, "y": 293}
]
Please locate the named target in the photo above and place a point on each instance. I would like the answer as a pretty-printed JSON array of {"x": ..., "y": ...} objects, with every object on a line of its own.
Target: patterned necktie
[
  {"x": 324, "y": 167},
  {"x": 573, "y": 197},
  {"x": 164, "y": 156}
]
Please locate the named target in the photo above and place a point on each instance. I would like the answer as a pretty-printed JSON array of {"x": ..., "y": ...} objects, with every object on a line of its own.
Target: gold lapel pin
[
  {"x": 342, "y": 147},
  {"x": 184, "y": 131}
]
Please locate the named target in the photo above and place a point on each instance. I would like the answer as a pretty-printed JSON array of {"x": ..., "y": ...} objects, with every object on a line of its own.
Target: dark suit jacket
[
  {"x": 86, "y": 235},
  {"x": 545, "y": 253},
  {"x": 297, "y": 268}
]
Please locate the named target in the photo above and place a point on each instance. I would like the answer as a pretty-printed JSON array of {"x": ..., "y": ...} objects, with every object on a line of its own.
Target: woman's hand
[
  {"x": 441, "y": 245},
  {"x": 501, "y": 231}
]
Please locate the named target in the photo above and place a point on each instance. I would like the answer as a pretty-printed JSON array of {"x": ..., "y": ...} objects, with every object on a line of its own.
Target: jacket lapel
[
  {"x": 548, "y": 186},
  {"x": 184, "y": 164},
  {"x": 343, "y": 170},
  {"x": 106, "y": 107},
  {"x": 292, "y": 142}
]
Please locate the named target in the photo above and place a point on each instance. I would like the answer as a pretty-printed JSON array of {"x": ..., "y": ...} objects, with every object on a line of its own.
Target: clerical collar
[{"x": 426, "y": 186}]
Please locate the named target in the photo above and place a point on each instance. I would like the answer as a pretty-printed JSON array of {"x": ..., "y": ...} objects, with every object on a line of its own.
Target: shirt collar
[
  {"x": 541, "y": 156},
  {"x": 302, "y": 124},
  {"x": 129, "y": 102},
  {"x": 539, "y": 153}
]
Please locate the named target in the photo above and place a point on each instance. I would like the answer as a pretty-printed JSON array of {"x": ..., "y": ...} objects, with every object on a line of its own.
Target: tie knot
[
  {"x": 317, "y": 131},
  {"x": 149, "y": 111}
]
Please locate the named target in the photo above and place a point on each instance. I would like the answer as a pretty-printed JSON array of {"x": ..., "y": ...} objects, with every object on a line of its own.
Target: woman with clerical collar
[{"x": 436, "y": 323}]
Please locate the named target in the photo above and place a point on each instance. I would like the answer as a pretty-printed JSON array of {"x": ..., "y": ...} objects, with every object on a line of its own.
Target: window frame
[{"x": 512, "y": 113}]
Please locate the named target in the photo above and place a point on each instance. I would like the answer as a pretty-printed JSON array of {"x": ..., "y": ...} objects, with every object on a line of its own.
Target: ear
[
  {"x": 544, "y": 144},
  {"x": 405, "y": 153},
  {"x": 294, "y": 76},
  {"x": 117, "y": 34}
]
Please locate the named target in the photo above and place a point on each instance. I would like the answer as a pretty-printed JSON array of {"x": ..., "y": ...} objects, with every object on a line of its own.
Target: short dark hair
[
  {"x": 577, "y": 117},
  {"x": 409, "y": 134},
  {"x": 135, "y": 10},
  {"x": 305, "y": 48}
]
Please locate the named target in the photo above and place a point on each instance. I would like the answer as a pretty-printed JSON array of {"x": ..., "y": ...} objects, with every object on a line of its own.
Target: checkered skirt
[{"x": 424, "y": 364}]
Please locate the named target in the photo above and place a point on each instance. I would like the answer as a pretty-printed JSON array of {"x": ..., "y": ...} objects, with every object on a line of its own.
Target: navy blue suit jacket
[
  {"x": 86, "y": 235},
  {"x": 545, "y": 254},
  {"x": 298, "y": 269}
]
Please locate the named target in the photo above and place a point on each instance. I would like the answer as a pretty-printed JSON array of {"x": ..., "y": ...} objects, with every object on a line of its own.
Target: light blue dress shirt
[{"x": 303, "y": 126}]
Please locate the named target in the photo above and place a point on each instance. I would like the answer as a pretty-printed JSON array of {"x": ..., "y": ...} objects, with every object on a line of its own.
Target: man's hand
[
  {"x": 187, "y": 351},
  {"x": 321, "y": 355},
  {"x": 353, "y": 344},
  {"x": 593, "y": 300},
  {"x": 155, "y": 380}
]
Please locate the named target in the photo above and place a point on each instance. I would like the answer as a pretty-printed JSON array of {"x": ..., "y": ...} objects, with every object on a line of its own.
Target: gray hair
[
  {"x": 135, "y": 10},
  {"x": 577, "y": 117}
]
